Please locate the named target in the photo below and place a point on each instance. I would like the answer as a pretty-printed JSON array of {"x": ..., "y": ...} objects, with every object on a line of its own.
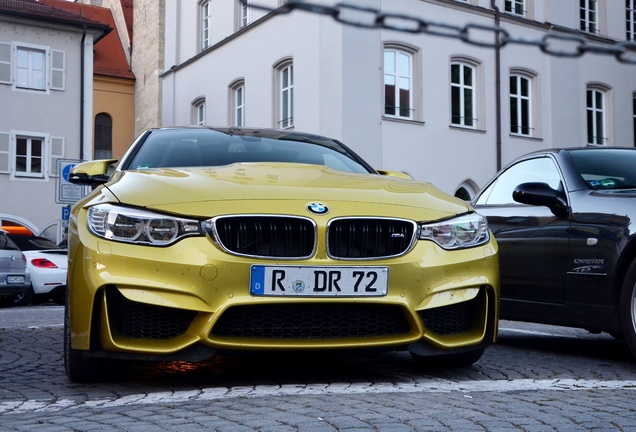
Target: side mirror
[
  {"x": 92, "y": 173},
  {"x": 541, "y": 194},
  {"x": 396, "y": 174}
]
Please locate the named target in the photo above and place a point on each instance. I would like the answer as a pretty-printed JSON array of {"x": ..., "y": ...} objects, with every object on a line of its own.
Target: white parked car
[{"x": 46, "y": 263}]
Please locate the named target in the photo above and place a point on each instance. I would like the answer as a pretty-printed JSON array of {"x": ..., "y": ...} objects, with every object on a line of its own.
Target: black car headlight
[
  {"x": 131, "y": 225},
  {"x": 458, "y": 233}
]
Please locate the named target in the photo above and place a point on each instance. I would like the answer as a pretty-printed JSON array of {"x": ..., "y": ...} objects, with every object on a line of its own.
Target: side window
[
  {"x": 515, "y": 7},
  {"x": 596, "y": 116},
  {"x": 466, "y": 108},
  {"x": 284, "y": 94},
  {"x": 522, "y": 110},
  {"x": 631, "y": 20},
  {"x": 204, "y": 24},
  {"x": 398, "y": 83},
  {"x": 244, "y": 13},
  {"x": 237, "y": 103},
  {"x": 198, "y": 111},
  {"x": 30, "y": 68},
  {"x": 533, "y": 170},
  {"x": 588, "y": 11},
  {"x": 29, "y": 156}
]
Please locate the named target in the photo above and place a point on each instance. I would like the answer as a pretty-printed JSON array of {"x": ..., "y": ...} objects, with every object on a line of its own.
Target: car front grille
[
  {"x": 311, "y": 321},
  {"x": 267, "y": 236},
  {"x": 455, "y": 318},
  {"x": 264, "y": 236},
  {"x": 355, "y": 238},
  {"x": 140, "y": 320}
]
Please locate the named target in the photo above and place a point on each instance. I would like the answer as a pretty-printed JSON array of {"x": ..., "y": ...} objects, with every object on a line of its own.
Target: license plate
[
  {"x": 319, "y": 281},
  {"x": 15, "y": 279}
]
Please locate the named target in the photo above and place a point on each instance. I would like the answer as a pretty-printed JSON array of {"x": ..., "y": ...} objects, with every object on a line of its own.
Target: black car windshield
[
  {"x": 207, "y": 147},
  {"x": 610, "y": 168},
  {"x": 27, "y": 242}
]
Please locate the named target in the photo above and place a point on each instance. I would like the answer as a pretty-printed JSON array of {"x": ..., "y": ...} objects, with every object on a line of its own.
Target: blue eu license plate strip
[{"x": 359, "y": 281}]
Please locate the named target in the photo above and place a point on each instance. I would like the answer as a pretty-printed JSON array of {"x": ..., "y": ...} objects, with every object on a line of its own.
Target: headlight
[
  {"x": 130, "y": 225},
  {"x": 457, "y": 233}
]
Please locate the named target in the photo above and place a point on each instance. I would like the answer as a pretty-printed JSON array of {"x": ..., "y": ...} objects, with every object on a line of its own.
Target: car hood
[{"x": 277, "y": 188}]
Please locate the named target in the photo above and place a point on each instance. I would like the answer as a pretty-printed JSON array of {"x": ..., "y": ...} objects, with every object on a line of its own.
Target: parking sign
[{"x": 67, "y": 192}]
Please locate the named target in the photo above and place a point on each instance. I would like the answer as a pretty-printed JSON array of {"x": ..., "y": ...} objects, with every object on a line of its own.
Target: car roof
[
  {"x": 252, "y": 131},
  {"x": 558, "y": 150}
]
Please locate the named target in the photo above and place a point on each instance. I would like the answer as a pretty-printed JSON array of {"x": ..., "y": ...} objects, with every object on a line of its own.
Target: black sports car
[{"x": 563, "y": 219}]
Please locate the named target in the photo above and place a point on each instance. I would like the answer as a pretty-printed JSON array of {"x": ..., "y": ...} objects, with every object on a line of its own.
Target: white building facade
[
  {"x": 46, "y": 69},
  {"x": 409, "y": 98}
]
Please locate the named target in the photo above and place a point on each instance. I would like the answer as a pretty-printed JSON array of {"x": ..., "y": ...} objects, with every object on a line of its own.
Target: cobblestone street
[{"x": 536, "y": 378}]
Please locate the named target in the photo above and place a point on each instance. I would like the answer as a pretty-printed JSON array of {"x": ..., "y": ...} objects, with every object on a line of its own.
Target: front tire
[
  {"x": 627, "y": 308},
  {"x": 80, "y": 367}
]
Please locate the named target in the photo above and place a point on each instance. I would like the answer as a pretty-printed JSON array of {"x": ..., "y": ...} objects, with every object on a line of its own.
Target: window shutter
[
  {"x": 5, "y": 163},
  {"x": 57, "y": 152},
  {"x": 5, "y": 63},
  {"x": 58, "y": 67}
]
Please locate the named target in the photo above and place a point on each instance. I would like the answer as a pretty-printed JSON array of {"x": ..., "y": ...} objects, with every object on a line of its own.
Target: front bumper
[{"x": 193, "y": 297}]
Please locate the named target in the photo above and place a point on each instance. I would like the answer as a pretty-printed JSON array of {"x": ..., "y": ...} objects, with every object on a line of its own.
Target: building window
[
  {"x": 245, "y": 11},
  {"x": 520, "y": 105},
  {"x": 239, "y": 105},
  {"x": 463, "y": 108},
  {"x": 631, "y": 20},
  {"x": 103, "y": 139},
  {"x": 198, "y": 112},
  {"x": 285, "y": 83},
  {"x": 589, "y": 16},
  {"x": 398, "y": 83},
  {"x": 30, "y": 68},
  {"x": 204, "y": 10},
  {"x": 29, "y": 156},
  {"x": 515, "y": 7},
  {"x": 596, "y": 117}
]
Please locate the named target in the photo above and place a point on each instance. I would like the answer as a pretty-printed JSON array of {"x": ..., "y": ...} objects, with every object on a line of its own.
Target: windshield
[
  {"x": 606, "y": 168},
  {"x": 206, "y": 147}
]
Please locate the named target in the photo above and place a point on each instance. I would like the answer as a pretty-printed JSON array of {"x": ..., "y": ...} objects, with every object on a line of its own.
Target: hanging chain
[{"x": 556, "y": 44}]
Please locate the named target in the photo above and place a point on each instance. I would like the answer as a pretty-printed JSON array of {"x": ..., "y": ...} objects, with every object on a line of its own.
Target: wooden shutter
[
  {"x": 58, "y": 70},
  {"x": 5, "y": 63},
  {"x": 57, "y": 152},
  {"x": 5, "y": 162}
]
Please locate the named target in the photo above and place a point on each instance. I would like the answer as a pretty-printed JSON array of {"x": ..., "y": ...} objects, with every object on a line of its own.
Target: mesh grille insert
[
  {"x": 369, "y": 238},
  {"x": 311, "y": 321}
]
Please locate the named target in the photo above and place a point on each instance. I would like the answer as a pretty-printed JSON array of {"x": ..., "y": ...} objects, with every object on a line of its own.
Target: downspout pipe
[
  {"x": 82, "y": 102},
  {"x": 497, "y": 82}
]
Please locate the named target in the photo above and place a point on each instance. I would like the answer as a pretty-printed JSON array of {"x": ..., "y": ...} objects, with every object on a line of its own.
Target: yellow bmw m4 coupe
[{"x": 206, "y": 240}]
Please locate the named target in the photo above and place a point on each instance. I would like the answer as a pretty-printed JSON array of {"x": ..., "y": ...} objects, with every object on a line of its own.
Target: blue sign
[
  {"x": 66, "y": 213},
  {"x": 67, "y": 170}
]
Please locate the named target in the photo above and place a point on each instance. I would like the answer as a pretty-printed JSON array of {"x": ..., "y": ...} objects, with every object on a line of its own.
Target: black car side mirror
[{"x": 541, "y": 194}]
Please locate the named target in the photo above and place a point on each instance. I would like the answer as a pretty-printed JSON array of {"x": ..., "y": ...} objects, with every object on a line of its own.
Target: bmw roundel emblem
[{"x": 318, "y": 208}]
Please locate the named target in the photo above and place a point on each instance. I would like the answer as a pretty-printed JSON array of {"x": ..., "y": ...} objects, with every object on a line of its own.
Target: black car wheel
[
  {"x": 6, "y": 300},
  {"x": 81, "y": 367},
  {"x": 628, "y": 308},
  {"x": 23, "y": 299}
]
